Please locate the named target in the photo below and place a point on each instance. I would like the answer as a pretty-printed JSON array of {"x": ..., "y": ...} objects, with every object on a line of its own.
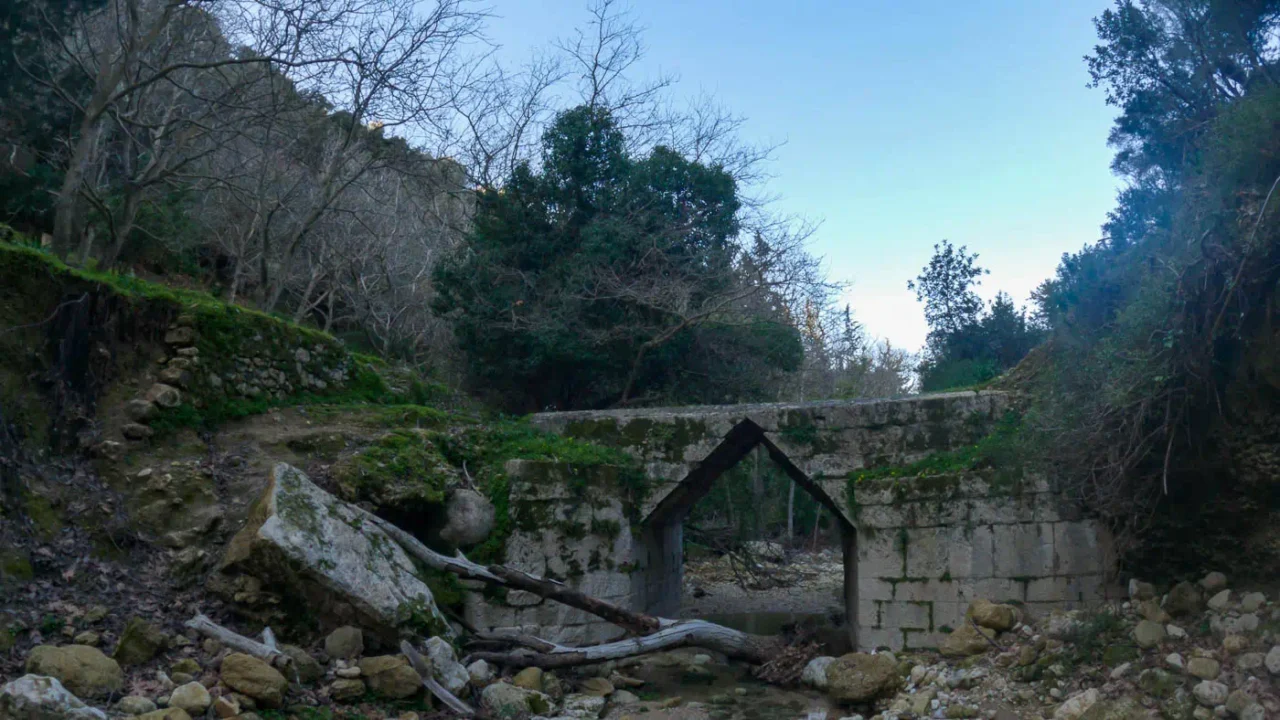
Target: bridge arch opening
[{"x": 659, "y": 588}]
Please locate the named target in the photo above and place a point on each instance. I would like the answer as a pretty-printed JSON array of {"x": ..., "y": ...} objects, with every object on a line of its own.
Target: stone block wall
[
  {"x": 824, "y": 440},
  {"x": 928, "y": 546},
  {"x": 918, "y": 548},
  {"x": 206, "y": 364},
  {"x": 569, "y": 524}
]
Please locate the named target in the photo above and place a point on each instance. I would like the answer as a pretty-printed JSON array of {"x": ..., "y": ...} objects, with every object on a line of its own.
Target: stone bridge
[{"x": 917, "y": 548}]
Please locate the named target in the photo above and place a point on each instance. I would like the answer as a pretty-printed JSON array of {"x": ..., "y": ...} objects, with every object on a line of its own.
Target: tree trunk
[
  {"x": 791, "y": 512},
  {"x": 66, "y": 208},
  {"x": 757, "y": 493}
]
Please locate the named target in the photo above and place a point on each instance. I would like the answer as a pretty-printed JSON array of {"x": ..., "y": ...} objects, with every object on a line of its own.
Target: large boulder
[
  {"x": 991, "y": 615},
  {"x": 254, "y": 678},
  {"x": 35, "y": 697},
  {"x": 84, "y": 670},
  {"x": 966, "y": 640},
  {"x": 860, "y": 678},
  {"x": 305, "y": 542},
  {"x": 470, "y": 518},
  {"x": 509, "y": 702}
]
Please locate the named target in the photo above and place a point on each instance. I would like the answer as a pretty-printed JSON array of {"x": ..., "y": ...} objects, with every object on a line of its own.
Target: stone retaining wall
[
  {"x": 569, "y": 525},
  {"x": 927, "y": 547}
]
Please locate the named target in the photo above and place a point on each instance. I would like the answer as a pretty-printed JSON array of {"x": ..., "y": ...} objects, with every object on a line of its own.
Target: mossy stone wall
[{"x": 934, "y": 513}]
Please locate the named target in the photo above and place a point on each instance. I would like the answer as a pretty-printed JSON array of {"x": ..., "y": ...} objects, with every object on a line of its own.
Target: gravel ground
[{"x": 815, "y": 585}]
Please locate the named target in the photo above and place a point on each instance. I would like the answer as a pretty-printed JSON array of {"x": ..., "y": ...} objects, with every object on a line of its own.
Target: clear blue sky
[{"x": 903, "y": 124}]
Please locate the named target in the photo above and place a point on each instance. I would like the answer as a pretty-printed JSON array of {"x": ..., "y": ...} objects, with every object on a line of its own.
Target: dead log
[
  {"x": 263, "y": 651},
  {"x": 674, "y": 634},
  {"x": 653, "y": 633},
  {"x": 638, "y": 623}
]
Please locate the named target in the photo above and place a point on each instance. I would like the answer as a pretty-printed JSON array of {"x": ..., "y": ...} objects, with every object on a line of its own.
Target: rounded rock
[
  {"x": 84, "y": 670},
  {"x": 1210, "y": 693},
  {"x": 254, "y": 678},
  {"x": 345, "y": 643},
  {"x": 192, "y": 697}
]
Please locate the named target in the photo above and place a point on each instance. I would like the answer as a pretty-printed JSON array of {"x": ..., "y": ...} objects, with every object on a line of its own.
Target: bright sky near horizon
[{"x": 901, "y": 123}]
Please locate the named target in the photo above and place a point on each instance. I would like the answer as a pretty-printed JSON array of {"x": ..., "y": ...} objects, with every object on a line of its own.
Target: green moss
[
  {"x": 446, "y": 589},
  {"x": 606, "y": 528},
  {"x": 667, "y": 439},
  {"x": 1000, "y": 456},
  {"x": 16, "y": 565},
  {"x": 403, "y": 466},
  {"x": 42, "y": 515}
]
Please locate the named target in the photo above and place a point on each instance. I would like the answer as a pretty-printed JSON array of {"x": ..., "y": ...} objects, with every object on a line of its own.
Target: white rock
[
  {"x": 1248, "y": 662},
  {"x": 480, "y": 672},
  {"x": 583, "y": 707},
  {"x": 1175, "y": 632},
  {"x": 1254, "y": 712},
  {"x": 1273, "y": 660},
  {"x": 1213, "y": 582},
  {"x": 1078, "y": 704},
  {"x": 1220, "y": 601},
  {"x": 445, "y": 665},
  {"x": 333, "y": 546},
  {"x": 815, "y": 673},
  {"x": 470, "y": 518},
  {"x": 1252, "y": 601},
  {"x": 36, "y": 697},
  {"x": 1210, "y": 693},
  {"x": 1174, "y": 660},
  {"x": 1246, "y": 623},
  {"x": 1121, "y": 670}
]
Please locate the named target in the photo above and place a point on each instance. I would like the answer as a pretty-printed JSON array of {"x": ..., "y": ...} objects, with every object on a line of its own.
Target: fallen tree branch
[
  {"x": 423, "y": 668},
  {"x": 635, "y": 622},
  {"x": 654, "y": 633},
  {"x": 203, "y": 625},
  {"x": 674, "y": 634}
]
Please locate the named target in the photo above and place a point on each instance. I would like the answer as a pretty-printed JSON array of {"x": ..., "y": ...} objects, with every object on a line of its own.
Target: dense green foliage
[
  {"x": 967, "y": 345},
  {"x": 1156, "y": 393},
  {"x": 755, "y": 500},
  {"x": 604, "y": 276}
]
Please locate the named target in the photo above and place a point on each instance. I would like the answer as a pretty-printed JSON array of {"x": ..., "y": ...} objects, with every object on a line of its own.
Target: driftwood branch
[
  {"x": 635, "y": 622},
  {"x": 423, "y": 668},
  {"x": 264, "y": 651},
  {"x": 654, "y": 633},
  {"x": 674, "y": 634}
]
